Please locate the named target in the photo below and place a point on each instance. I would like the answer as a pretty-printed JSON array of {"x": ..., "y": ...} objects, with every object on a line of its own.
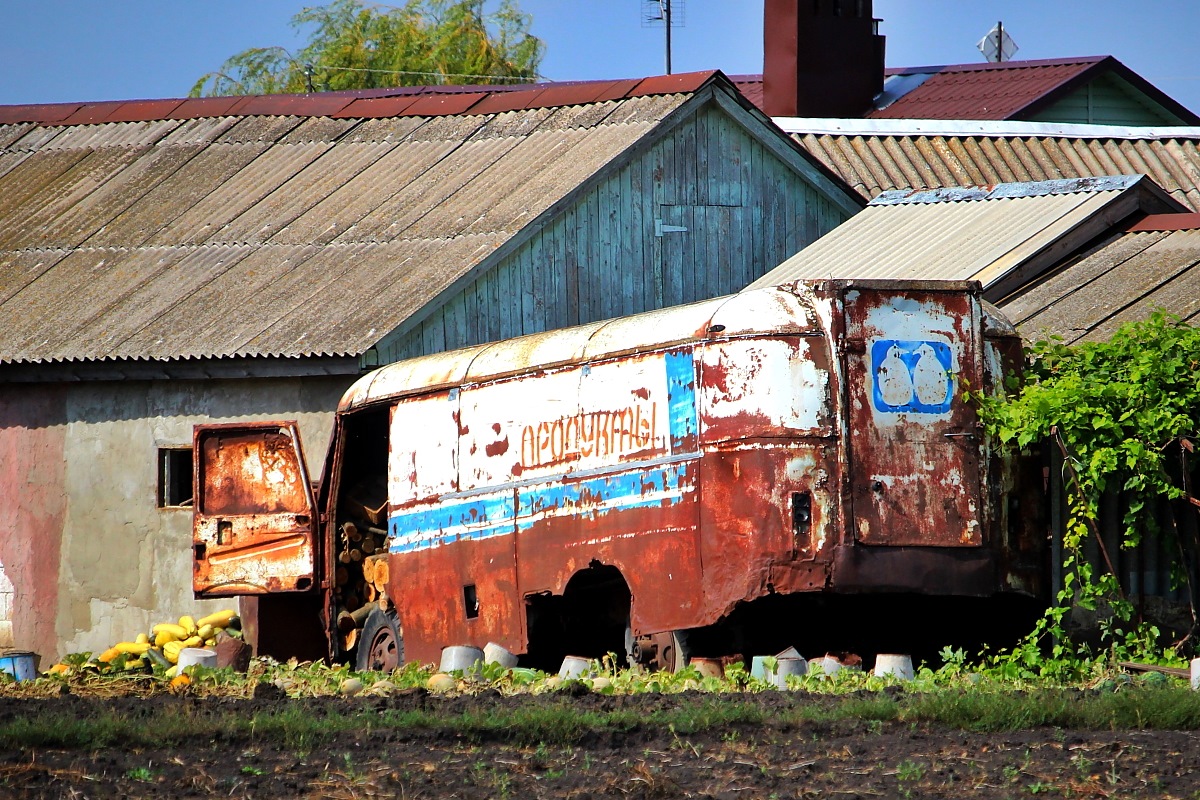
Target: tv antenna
[
  {"x": 998, "y": 46},
  {"x": 668, "y": 13}
]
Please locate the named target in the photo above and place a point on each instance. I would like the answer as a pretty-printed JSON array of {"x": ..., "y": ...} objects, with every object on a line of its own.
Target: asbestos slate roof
[
  {"x": 1003, "y": 236},
  {"x": 1153, "y": 265},
  {"x": 878, "y": 156},
  {"x": 281, "y": 226}
]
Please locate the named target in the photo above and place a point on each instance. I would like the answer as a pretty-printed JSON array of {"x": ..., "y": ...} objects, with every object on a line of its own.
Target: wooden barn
[{"x": 170, "y": 262}]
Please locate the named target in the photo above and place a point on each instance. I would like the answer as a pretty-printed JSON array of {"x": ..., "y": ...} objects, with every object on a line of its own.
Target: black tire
[{"x": 380, "y": 644}]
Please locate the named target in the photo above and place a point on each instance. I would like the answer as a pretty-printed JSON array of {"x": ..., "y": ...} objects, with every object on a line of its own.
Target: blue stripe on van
[
  {"x": 464, "y": 520},
  {"x": 681, "y": 397}
]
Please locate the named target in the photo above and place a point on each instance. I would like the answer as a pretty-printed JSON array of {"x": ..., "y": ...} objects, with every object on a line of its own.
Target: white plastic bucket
[
  {"x": 460, "y": 657},
  {"x": 897, "y": 666},
  {"x": 573, "y": 667},
  {"x": 784, "y": 667},
  {"x": 1195, "y": 673},
  {"x": 829, "y": 665},
  {"x": 190, "y": 656},
  {"x": 20, "y": 664},
  {"x": 496, "y": 654}
]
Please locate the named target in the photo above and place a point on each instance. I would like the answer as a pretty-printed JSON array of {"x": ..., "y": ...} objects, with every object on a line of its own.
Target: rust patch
[
  {"x": 253, "y": 524},
  {"x": 497, "y": 448}
]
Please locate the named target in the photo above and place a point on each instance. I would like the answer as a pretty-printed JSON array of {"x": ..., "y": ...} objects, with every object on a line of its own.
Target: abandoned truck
[{"x": 676, "y": 481}]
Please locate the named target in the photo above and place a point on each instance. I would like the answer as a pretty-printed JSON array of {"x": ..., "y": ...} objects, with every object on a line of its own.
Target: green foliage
[
  {"x": 1119, "y": 412},
  {"x": 353, "y": 45}
]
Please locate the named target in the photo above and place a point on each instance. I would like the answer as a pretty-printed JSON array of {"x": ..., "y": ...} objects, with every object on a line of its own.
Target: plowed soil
[{"x": 843, "y": 759}]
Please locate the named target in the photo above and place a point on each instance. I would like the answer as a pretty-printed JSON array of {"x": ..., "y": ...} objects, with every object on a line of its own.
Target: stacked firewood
[{"x": 361, "y": 576}]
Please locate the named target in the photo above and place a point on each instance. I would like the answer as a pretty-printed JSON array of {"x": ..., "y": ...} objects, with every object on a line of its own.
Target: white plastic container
[
  {"x": 460, "y": 657},
  {"x": 829, "y": 665},
  {"x": 897, "y": 666},
  {"x": 190, "y": 656},
  {"x": 495, "y": 654},
  {"x": 1196, "y": 673},
  {"x": 573, "y": 667},
  {"x": 785, "y": 667}
]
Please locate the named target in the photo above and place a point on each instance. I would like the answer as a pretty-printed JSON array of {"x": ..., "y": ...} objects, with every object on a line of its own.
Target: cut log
[
  {"x": 351, "y": 532},
  {"x": 341, "y": 576},
  {"x": 381, "y": 573},
  {"x": 368, "y": 570}
]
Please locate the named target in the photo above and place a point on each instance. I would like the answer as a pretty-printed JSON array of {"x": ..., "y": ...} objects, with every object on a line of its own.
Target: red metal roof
[
  {"x": 398, "y": 101},
  {"x": 982, "y": 91},
  {"x": 991, "y": 91}
]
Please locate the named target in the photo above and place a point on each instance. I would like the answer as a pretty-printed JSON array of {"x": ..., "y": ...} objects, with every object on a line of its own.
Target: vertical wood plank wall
[{"x": 745, "y": 211}]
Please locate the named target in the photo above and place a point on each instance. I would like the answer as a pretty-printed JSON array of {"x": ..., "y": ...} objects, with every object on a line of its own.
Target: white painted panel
[
  {"x": 772, "y": 381},
  {"x": 423, "y": 462},
  {"x": 625, "y": 413},
  {"x": 497, "y": 418}
]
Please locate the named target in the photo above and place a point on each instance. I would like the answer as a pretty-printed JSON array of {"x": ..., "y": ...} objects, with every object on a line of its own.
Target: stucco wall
[
  {"x": 32, "y": 509},
  {"x": 105, "y": 561}
]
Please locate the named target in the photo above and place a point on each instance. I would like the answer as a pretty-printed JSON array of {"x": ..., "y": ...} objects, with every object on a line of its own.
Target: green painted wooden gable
[
  {"x": 710, "y": 201},
  {"x": 1107, "y": 100}
]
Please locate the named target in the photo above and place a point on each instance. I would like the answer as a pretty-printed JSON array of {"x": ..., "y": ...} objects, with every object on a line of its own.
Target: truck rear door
[
  {"x": 914, "y": 444},
  {"x": 253, "y": 523}
]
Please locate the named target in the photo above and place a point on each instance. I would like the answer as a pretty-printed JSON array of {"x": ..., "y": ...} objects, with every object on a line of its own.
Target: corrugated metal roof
[
  {"x": 986, "y": 91},
  {"x": 1122, "y": 280},
  {"x": 954, "y": 234},
  {"x": 876, "y": 162},
  {"x": 419, "y": 101},
  {"x": 285, "y": 235},
  {"x": 980, "y": 91}
]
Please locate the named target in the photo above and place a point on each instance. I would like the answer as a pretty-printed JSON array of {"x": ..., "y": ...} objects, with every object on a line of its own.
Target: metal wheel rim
[{"x": 383, "y": 653}]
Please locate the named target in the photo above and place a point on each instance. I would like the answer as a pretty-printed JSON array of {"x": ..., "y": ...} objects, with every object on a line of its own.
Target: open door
[{"x": 253, "y": 524}]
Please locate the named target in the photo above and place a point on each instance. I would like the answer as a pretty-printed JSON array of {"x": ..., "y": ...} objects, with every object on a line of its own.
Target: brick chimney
[{"x": 821, "y": 58}]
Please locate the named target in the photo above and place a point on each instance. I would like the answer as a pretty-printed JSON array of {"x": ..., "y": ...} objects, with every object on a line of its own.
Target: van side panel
[
  {"x": 552, "y": 472},
  {"x": 769, "y": 474}
]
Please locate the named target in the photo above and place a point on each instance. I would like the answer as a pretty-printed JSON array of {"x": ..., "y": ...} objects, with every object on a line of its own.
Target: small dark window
[
  {"x": 801, "y": 513},
  {"x": 174, "y": 477},
  {"x": 471, "y": 601}
]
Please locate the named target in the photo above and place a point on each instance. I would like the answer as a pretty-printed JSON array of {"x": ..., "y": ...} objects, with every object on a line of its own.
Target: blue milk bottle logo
[{"x": 912, "y": 376}]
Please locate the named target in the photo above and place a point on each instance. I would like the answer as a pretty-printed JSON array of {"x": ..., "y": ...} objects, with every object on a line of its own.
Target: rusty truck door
[
  {"x": 914, "y": 443},
  {"x": 252, "y": 528}
]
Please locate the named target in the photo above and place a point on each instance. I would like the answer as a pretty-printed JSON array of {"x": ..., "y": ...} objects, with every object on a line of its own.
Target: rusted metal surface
[
  {"x": 914, "y": 442},
  {"x": 254, "y": 523}
]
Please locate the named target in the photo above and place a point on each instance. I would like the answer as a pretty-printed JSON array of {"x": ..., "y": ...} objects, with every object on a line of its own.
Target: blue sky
[{"x": 66, "y": 50}]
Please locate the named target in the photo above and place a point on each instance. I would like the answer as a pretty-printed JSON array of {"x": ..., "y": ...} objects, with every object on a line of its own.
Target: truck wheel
[
  {"x": 380, "y": 647},
  {"x": 659, "y": 651}
]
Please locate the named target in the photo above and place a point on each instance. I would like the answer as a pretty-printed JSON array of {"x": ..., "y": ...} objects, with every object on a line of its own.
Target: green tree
[
  {"x": 358, "y": 46},
  {"x": 1125, "y": 414}
]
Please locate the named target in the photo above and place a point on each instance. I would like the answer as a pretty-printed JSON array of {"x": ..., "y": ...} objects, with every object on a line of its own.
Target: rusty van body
[{"x": 621, "y": 484}]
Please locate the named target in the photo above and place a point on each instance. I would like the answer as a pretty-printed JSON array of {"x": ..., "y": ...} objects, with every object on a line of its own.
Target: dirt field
[{"x": 772, "y": 759}]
